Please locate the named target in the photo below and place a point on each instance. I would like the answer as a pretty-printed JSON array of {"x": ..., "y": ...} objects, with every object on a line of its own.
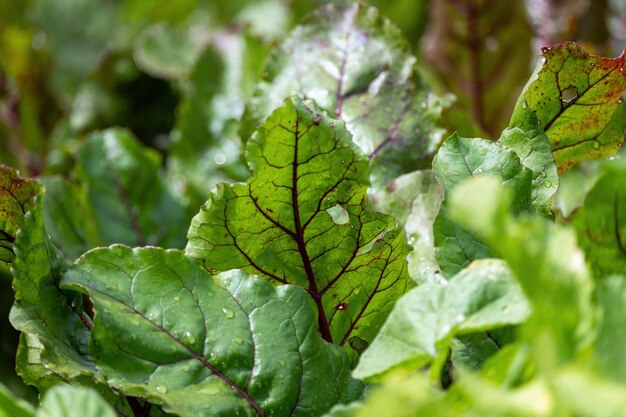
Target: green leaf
[
  {"x": 166, "y": 52},
  {"x": 480, "y": 51},
  {"x": 461, "y": 158},
  {"x": 280, "y": 225},
  {"x": 66, "y": 401},
  {"x": 422, "y": 323},
  {"x": 574, "y": 185},
  {"x": 577, "y": 99},
  {"x": 13, "y": 407},
  {"x": 472, "y": 351},
  {"x": 206, "y": 148},
  {"x": 545, "y": 260},
  {"x": 201, "y": 345},
  {"x": 355, "y": 64},
  {"x": 68, "y": 218},
  {"x": 17, "y": 196},
  {"x": 601, "y": 222},
  {"x": 53, "y": 343},
  {"x": 413, "y": 200},
  {"x": 129, "y": 201},
  {"x": 526, "y": 137}
]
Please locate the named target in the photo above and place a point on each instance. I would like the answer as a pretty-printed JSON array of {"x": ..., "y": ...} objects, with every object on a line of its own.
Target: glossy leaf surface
[
  {"x": 355, "y": 64},
  {"x": 423, "y": 322},
  {"x": 302, "y": 219},
  {"x": 576, "y": 98},
  {"x": 201, "y": 345}
]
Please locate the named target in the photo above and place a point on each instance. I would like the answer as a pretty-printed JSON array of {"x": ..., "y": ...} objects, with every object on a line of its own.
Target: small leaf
[
  {"x": 129, "y": 200},
  {"x": 576, "y": 98},
  {"x": 461, "y": 158},
  {"x": 277, "y": 226},
  {"x": 481, "y": 297},
  {"x": 413, "y": 200},
  {"x": 16, "y": 199},
  {"x": 356, "y": 65},
  {"x": 13, "y": 407},
  {"x": 601, "y": 222},
  {"x": 201, "y": 345}
]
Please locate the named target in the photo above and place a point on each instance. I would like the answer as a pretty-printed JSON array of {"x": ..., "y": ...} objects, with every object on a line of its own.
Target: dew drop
[
  {"x": 177, "y": 299},
  {"x": 228, "y": 313},
  {"x": 545, "y": 49},
  {"x": 331, "y": 124},
  {"x": 212, "y": 270},
  {"x": 357, "y": 291},
  {"x": 620, "y": 100},
  {"x": 595, "y": 145},
  {"x": 547, "y": 184},
  {"x": 342, "y": 306},
  {"x": 238, "y": 340},
  {"x": 161, "y": 389},
  {"x": 544, "y": 174},
  {"x": 220, "y": 158},
  {"x": 190, "y": 337}
]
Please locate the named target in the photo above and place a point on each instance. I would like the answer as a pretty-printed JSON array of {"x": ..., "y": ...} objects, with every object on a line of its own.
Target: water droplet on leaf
[{"x": 228, "y": 313}]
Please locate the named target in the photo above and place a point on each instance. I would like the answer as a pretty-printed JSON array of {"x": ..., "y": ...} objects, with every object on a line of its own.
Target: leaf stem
[{"x": 322, "y": 321}]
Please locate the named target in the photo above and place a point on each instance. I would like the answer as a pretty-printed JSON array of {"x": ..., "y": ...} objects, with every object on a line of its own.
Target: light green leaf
[
  {"x": 479, "y": 50},
  {"x": 166, "y": 52},
  {"x": 608, "y": 357},
  {"x": 279, "y": 224},
  {"x": 413, "y": 200},
  {"x": 461, "y": 158},
  {"x": 356, "y": 65},
  {"x": 577, "y": 99},
  {"x": 574, "y": 185},
  {"x": 422, "y": 323},
  {"x": 601, "y": 222},
  {"x": 13, "y": 407},
  {"x": 129, "y": 201},
  {"x": 17, "y": 196},
  {"x": 526, "y": 137},
  {"x": 201, "y": 345},
  {"x": 546, "y": 261},
  {"x": 66, "y": 401}
]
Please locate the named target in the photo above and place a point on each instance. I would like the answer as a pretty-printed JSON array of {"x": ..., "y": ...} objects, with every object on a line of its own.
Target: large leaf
[
  {"x": 302, "y": 219},
  {"x": 421, "y": 325},
  {"x": 201, "y": 345},
  {"x": 355, "y": 64},
  {"x": 601, "y": 222},
  {"x": 16, "y": 199},
  {"x": 576, "y": 98},
  {"x": 461, "y": 158},
  {"x": 65, "y": 401},
  {"x": 480, "y": 50},
  {"x": 129, "y": 201}
]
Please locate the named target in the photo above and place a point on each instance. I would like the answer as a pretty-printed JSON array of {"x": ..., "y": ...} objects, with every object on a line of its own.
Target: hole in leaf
[
  {"x": 338, "y": 214},
  {"x": 569, "y": 94}
]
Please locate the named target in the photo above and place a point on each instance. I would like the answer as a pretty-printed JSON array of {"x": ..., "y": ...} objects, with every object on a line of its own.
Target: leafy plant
[{"x": 343, "y": 259}]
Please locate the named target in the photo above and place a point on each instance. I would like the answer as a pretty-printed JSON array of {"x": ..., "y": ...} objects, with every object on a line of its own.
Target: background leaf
[
  {"x": 200, "y": 345},
  {"x": 355, "y": 64}
]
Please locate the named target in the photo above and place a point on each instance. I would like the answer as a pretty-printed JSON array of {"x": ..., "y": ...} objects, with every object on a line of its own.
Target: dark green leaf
[
  {"x": 577, "y": 99},
  {"x": 422, "y": 323},
  {"x": 17, "y": 196},
  {"x": 354, "y": 63},
  {"x": 280, "y": 223},
  {"x": 601, "y": 222},
  {"x": 129, "y": 201},
  {"x": 201, "y": 345}
]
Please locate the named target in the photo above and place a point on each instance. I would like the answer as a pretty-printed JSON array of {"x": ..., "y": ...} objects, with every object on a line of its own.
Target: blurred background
[{"x": 178, "y": 75}]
